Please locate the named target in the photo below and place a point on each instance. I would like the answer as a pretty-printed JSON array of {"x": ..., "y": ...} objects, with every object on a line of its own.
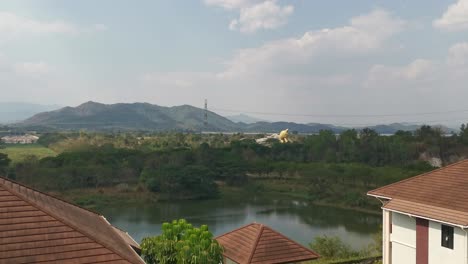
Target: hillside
[{"x": 135, "y": 116}]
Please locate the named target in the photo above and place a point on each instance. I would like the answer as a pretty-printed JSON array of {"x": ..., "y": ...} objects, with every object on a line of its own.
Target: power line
[{"x": 341, "y": 115}]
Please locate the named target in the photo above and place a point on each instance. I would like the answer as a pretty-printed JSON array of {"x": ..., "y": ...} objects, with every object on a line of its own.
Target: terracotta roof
[
  {"x": 38, "y": 228},
  {"x": 259, "y": 244},
  {"x": 441, "y": 194}
]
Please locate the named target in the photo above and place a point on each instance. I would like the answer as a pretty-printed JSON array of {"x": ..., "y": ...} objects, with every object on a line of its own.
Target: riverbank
[
  {"x": 95, "y": 199},
  {"x": 255, "y": 188}
]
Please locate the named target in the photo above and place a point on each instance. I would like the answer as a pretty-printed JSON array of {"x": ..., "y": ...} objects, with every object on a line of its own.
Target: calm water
[{"x": 295, "y": 219}]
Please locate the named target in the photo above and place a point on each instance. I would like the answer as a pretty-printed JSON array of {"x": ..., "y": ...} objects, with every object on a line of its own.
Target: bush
[
  {"x": 180, "y": 242},
  {"x": 332, "y": 248}
]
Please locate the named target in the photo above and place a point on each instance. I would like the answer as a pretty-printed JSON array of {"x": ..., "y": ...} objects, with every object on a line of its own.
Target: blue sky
[{"x": 341, "y": 62}]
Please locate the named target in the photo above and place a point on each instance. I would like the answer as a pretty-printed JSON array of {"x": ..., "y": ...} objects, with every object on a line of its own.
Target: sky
[{"x": 357, "y": 62}]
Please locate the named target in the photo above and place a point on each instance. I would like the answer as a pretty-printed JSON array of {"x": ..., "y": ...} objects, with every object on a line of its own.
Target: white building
[
  {"x": 425, "y": 218},
  {"x": 24, "y": 139}
]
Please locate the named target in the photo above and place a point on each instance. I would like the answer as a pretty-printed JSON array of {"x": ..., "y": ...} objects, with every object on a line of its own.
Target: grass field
[{"x": 19, "y": 152}]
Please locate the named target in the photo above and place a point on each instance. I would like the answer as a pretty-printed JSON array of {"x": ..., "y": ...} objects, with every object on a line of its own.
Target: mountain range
[
  {"x": 148, "y": 117},
  {"x": 243, "y": 118}
]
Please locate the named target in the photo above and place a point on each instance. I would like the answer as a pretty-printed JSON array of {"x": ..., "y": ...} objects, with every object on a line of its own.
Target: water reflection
[{"x": 296, "y": 219}]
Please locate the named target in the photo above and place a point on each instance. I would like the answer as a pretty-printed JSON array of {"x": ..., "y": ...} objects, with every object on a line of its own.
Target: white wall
[
  {"x": 439, "y": 254},
  {"x": 403, "y": 239},
  {"x": 229, "y": 261}
]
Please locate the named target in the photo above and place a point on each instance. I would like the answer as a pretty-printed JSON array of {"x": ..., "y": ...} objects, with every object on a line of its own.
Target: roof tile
[
  {"x": 441, "y": 194},
  {"x": 259, "y": 244},
  {"x": 38, "y": 228}
]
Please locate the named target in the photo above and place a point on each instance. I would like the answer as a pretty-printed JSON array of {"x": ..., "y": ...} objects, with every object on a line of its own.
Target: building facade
[{"x": 425, "y": 218}]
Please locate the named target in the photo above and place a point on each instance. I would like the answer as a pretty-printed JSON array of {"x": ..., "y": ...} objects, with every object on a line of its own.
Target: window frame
[{"x": 447, "y": 236}]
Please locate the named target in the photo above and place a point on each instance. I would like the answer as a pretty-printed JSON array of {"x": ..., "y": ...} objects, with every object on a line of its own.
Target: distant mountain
[
  {"x": 11, "y": 112},
  {"x": 148, "y": 117},
  {"x": 242, "y": 118},
  {"x": 267, "y": 127},
  {"x": 394, "y": 127},
  {"x": 136, "y": 116}
]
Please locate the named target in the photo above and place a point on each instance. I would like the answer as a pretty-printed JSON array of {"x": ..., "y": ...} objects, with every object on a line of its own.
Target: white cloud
[
  {"x": 255, "y": 15},
  {"x": 458, "y": 54},
  {"x": 32, "y": 68},
  {"x": 266, "y": 15},
  {"x": 364, "y": 34},
  {"x": 417, "y": 70},
  {"x": 284, "y": 72},
  {"x": 455, "y": 17},
  {"x": 14, "y": 25}
]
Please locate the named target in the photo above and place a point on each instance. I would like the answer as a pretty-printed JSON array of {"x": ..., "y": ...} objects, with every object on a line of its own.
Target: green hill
[{"x": 135, "y": 116}]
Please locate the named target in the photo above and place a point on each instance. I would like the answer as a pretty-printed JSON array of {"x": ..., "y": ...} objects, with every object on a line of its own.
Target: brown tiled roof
[
  {"x": 441, "y": 194},
  {"x": 259, "y": 244},
  {"x": 38, "y": 228}
]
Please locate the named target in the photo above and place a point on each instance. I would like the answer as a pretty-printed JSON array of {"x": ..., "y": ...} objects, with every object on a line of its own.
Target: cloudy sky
[{"x": 343, "y": 62}]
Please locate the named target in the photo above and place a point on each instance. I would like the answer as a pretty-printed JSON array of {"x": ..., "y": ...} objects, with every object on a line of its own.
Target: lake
[{"x": 294, "y": 218}]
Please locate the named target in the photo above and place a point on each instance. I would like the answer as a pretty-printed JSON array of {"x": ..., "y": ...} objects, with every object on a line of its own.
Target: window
[{"x": 447, "y": 236}]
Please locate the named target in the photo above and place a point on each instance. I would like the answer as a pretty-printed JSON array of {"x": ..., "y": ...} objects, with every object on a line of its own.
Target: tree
[
  {"x": 180, "y": 243},
  {"x": 332, "y": 248},
  {"x": 464, "y": 134},
  {"x": 4, "y": 163}
]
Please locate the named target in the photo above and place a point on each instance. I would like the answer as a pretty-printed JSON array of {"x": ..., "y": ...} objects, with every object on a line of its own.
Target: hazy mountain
[
  {"x": 267, "y": 127},
  {"x": 148, "y": 117},
  {"x": 13, "y": 112},
  {"x": 394, "y": 127},
  {"x": 136, "y": 116},
  {"x": 242, "y": 118}
]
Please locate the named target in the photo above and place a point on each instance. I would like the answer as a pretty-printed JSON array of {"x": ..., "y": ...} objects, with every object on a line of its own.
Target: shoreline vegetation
[
  {"x": 95, "y": 168},
  {"x": 95, "y": 199}
]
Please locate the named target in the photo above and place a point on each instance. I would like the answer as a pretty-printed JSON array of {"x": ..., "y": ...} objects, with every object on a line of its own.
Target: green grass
[{"x": 18, "y": 152}]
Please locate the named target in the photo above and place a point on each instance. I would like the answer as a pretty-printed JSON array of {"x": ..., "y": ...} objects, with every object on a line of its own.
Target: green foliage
[
  {"x": 192, "y": 181},
  {"x": 331, "y": 248},
  {"x": 48, "y": 139},
  {"x": 325, "y": 168},
  {"x": 181, "y": 243},
  {"x": 4, "y": 163}
]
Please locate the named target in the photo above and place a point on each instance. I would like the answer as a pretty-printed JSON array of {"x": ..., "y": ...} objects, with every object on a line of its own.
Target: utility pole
[{"x": 205, "y": 121}]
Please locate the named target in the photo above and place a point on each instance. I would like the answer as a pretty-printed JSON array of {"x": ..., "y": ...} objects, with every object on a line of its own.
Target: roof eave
[
  {"x": 378, "y": 196},
  {"x": 427, "y": 218}
]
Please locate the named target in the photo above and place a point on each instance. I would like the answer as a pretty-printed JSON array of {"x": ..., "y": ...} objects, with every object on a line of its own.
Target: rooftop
[
  {"x": 259, "y": 244},
  {"x": 38, "y": 228},
  {"x": 438, "y": 195}
]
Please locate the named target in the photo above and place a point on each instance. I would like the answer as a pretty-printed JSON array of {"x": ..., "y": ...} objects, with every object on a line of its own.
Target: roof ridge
[
  {"x": 254, "y": 248},
  {"x": 49, "y": 212},
  {"x": 414, "y": 177},
  {"x": 232, "y": 231}
]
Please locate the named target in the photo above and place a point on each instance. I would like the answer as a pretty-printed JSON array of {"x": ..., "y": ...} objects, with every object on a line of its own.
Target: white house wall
[
  {"x": 403, "y": 239},
  {"x": 441, "y": 255}
]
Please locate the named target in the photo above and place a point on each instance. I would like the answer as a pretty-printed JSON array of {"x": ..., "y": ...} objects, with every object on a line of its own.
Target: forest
[{"x": 325, "y": 168}]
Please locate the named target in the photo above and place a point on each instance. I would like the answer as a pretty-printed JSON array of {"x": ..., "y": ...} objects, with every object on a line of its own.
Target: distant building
[
  {"x": 259, "y": 244},
  {"x": 24, "y": 139},
  {"x": 38, "y": 228},
  {"x": 425, "y": 218}
]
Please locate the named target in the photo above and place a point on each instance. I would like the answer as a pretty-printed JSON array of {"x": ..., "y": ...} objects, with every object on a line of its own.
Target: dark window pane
[{"x": 447, "y": 236}]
